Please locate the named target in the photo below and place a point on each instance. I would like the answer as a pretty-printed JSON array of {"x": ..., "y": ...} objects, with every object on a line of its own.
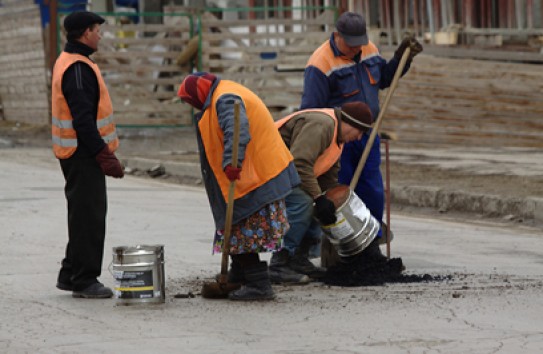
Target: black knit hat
[
  {"x": 81, "y": 20},
  {"x": 357, "y": 114}
]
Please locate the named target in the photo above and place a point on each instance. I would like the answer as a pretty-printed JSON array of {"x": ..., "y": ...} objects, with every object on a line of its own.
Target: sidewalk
[
  {"x": 502, "y": 183},
  {"x": 499, "y": 183}
]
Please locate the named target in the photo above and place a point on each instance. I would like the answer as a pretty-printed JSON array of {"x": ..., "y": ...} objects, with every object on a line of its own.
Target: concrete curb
[
  {"x": 451, "y": 200},
  {"x": 417, "y": 196}
]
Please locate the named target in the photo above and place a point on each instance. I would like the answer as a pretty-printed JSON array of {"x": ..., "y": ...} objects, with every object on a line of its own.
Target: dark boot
[
  {"x": 300, "y": 262},
  {"x": 383, "y": 238},
  {"x": 257, "y": 286},
  {"x": 235, "y": 274},
  {"x": 373, "y": 252},
  {"x": 94, "y": 291},
  {"x": 281, "y": 271}
]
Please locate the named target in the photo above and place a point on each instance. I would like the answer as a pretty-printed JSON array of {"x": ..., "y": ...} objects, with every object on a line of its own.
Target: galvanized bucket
[
  {"x": 355, "y": 227},
  {"x": 139, "y": 274}
]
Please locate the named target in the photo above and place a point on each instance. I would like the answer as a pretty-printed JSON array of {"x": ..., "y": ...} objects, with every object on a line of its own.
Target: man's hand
[
  {"x": 325, "y": 210},
  {"x": 109, "y": 164},
  {"x": 232, "y": 173},
  {"x": 411, "y": 43}
]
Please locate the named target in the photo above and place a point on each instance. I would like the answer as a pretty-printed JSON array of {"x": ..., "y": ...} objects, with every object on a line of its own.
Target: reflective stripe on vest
[
  {"x": 64, "y": 136},
  {"x": 331, "y": 155},
  {"x": 266, "y": 155}
]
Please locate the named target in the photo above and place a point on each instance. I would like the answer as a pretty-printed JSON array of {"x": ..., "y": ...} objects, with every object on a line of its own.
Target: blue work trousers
[
  {"x": 301, "y": 220},
  {"x": 370, "y": 184}
]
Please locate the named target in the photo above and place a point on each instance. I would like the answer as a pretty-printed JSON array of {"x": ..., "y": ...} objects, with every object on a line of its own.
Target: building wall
[{"x": 23, "y": 74}]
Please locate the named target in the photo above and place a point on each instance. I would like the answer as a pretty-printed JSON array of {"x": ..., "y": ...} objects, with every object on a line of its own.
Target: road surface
[{"x": 492, "y": 304}]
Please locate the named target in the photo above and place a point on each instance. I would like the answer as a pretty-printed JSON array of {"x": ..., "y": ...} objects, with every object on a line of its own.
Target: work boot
[
  {"x": 257, "y": 286},
  {"x": 281, "y": 272},
  {"x": 94, "y": 291},
  {"x": 65, "y": 286},
  {"x": 373, "y": 252},
  {"x": 310, "y": 247},
  {"x": 235, "y": 274},
  {"x": 383, "y": 238},
  {"x": 300, "y": 262}
]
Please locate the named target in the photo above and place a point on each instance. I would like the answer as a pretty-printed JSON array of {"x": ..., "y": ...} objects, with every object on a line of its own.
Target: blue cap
[{"x": 352, "y": 28}]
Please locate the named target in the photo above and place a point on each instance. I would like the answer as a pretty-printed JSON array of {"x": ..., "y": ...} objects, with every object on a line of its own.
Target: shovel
[
  {"x": 221, "y": 288},
  {"x": 379, "y": 119},
  {"x": 329, "y": 255}
]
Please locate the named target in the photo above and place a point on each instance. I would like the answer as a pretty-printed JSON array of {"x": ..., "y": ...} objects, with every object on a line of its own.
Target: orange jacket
[
  {"x": 63, "y": 134},
  {"x": 266, "y": 156}
]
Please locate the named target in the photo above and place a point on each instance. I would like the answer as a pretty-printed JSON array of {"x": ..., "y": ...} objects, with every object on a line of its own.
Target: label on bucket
[
  {"x": 341, "y": 228},
  {"x": 133, "y": 284}
]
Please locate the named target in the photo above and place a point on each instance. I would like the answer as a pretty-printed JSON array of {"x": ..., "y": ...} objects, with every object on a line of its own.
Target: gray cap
[
  {"x": 81, "y": 20},
  {"x": 352, "y": 27}
]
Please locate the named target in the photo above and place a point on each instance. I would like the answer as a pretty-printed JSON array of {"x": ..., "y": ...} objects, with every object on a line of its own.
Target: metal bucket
[
  {"x": 355, "y": 227},
  {"x": 139, "y": 274}
]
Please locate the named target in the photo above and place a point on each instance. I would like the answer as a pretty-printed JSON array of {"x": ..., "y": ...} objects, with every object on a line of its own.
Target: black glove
[
  {"x": 411, "y": 43},
  {"x": 109, "y": 164},
  {"x": 325, "y": 210}
]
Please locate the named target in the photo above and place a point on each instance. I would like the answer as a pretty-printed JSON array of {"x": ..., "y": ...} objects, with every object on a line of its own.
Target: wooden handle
[
  {"x": 230, "y": 203},
  {"x": 379, "y": 119}
]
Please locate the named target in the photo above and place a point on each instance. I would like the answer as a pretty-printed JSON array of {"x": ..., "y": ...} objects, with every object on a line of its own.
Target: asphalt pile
[{"x": 365, "y": 272}]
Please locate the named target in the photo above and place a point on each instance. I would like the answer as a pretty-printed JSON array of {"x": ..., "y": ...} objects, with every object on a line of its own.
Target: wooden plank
[
  {"x": 211, "y": 23},
  {"x": 144, "y": 80},
  {"x": 300, "y": 48},
  {"x": 130, "y": 121},
  {"x": 307, "y": 36},
  {"x": 146, "y": 27},
  {"x": 130, "y": 56},
  {"x": 138, "y": 68},
  {"x": 151, "y": 41}
]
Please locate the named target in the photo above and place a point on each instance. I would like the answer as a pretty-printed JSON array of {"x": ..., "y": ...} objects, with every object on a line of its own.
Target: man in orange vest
[
  {"x": 84, "y": 140},
  {"x": 315, "y": 138}
]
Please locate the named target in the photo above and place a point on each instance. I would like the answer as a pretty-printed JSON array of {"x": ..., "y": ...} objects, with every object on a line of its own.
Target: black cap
[
  {"x": 357, "y": 114},
  {"x": 352, "y": 27},
  {"x": 80, "y": 20}
]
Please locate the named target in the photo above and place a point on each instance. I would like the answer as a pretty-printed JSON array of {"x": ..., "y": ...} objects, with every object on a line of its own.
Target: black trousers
[{"x": 86, "y": 198}]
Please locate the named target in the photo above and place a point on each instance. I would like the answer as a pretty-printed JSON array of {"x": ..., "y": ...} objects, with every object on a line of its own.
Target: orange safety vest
[
  {"x": 332, "y": 153},
  {"x": 63, "y": 132},
  {"x": 325, "y": 60},
  {"x": 266, "y": 155}
]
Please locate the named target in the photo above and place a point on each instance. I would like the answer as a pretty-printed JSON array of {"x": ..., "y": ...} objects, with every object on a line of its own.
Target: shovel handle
[
  {"x": 230, "y": 203},
  {"x": 379, "y": 119}
]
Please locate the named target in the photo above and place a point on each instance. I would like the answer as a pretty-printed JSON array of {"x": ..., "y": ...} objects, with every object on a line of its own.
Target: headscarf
[{"x": 195, "y": 88}]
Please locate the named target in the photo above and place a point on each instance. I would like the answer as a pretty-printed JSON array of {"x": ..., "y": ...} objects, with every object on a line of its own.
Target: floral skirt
[{"x": 261, "y": 232}]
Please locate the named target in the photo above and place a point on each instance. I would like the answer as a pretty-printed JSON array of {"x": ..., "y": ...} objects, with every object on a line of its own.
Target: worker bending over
[
  {"x": 264, "y": 176},
  {"x": 315, "y": 138}
]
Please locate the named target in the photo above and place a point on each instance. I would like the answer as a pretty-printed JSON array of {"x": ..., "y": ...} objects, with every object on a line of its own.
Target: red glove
[
  {"x": 232, "y": 172},
  {"x": 109, "y": 164}
]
